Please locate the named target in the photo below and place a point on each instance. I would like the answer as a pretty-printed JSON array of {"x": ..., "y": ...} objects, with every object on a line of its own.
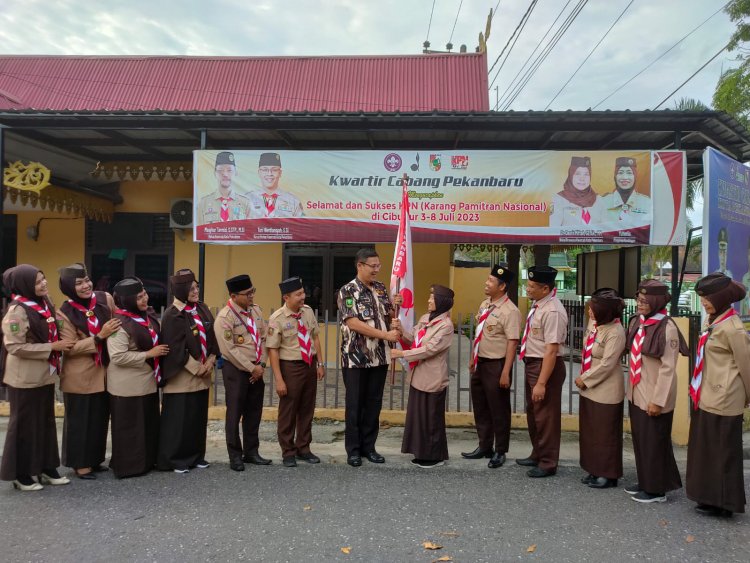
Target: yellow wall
[
  {"x": 61, "y": 242},
  {"x": 151, "y": 197}
]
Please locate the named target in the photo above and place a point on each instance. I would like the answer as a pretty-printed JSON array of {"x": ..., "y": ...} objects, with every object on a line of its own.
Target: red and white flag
[{"x": 402, "y": 274}]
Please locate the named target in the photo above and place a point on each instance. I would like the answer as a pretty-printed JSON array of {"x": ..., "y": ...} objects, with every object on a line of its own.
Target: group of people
[
  {"x": 579, "y": 205},
  {"x": 113, "y": 356},
  {"x": 227, "y": 204}
]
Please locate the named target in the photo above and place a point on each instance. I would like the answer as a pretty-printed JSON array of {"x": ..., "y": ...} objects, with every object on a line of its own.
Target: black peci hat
[
  {"x": 501, "y": 272},
  {"x": 239, "y": 283},
  {"x": 290, "y": 284},
  {"x": 269, "y": 159},
  {"x": 542, "y": 274},
  {"x": 224, "y": 157}
]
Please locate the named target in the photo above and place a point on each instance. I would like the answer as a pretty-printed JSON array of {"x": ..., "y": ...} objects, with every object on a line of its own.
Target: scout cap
[
  {"x": 128, "y": 286},
  {"x": 76, "y": 270},
  {"x": 269, "y": 159},
  {"x": 543, "y": 274},
  {"x": 224, "y": 157},
  {"x": 290, "y": 284},
  {"x": 239, "y": 283},
  {"x": 501, "y": 272}
]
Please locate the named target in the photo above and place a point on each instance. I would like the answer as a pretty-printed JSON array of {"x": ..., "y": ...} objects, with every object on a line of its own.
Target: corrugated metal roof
[{"x": 447, "y": 82}]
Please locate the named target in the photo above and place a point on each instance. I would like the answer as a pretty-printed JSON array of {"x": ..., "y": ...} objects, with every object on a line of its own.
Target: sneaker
[
  {"x": 203, "y": 464},
  {"x": 645, "y": 497},
  {"x": 633, "y": 489},
  {"x": 181, "y": 470}
]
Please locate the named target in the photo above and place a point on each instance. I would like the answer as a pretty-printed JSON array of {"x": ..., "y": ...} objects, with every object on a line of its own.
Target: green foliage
[{"x": 732, "y": 93}]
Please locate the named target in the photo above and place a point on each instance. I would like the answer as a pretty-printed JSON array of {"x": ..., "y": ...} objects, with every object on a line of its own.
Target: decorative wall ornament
[
  {"x": 59, "y": 200},
  {"x": 147, "y": 173},
  {"x": 31, "y": 177}
]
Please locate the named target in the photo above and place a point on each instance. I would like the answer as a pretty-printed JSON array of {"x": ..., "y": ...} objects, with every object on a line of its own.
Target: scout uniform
[
  {"x": 241, "y": 355},
  {"x": 618, "y": 215},
  {"x": 654, "y": 344},
  {"x": 83, "y": 375},
  {"x": 720, "y": 389},
  {"x": 497, "y": 322},
  {"x": 217, "y": 207},
  {"x": 364, "y": 362},
  {"x": 271, "y": 201},
  {"x": 547, "y": 323},
  {"x": 566, "y": 214},
  {"x": 287, "y": 331}
]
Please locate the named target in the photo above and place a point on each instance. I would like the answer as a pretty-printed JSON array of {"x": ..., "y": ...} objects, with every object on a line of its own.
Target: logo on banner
[
  {"x": 392, "y": 162},
  {"x": 435, "y": 163},
  {"x": 460, "y": 162}
]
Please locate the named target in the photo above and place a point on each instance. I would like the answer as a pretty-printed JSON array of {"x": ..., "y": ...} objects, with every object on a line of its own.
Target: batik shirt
[{"x": 371, "y": 305}]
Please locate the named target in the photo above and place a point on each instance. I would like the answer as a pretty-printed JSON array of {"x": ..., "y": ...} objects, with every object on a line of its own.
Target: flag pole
[{"x": 398, "y": 282}]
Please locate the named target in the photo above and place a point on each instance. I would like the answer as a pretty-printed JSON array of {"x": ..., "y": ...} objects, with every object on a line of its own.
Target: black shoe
[
  {"x": 289, "y": 461},
  {"x": 309, "y": 457},
  {"x": 708, "y": 510},
  {"x": 256, "y": 459},
  {"x": 236, "y": 465},
  {"x": 527, "y": 462},
  {"x": 375, "y": 457},
  {"x": 478, "y": 453},
  {"x": 497, "y": 460},
  {"x": 602, "y": 483},
  {"x": 354, "y": 460},
  {"x": 86, "y": 476},
  {"x": 588, "y": 479},
  {"x": 100, "y": 469},
  {"x": 633, "y": 489},
  {"x": 537, "y": 472}
]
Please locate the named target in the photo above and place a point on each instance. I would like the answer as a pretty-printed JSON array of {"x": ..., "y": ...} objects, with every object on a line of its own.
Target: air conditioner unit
[{"x": 181, "y": 214}]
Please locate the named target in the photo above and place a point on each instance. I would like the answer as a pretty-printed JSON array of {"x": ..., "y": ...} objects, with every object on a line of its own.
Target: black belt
[{"x": 481, "y": 360}]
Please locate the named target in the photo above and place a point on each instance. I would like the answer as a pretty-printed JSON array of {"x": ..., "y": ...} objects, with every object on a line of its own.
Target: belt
[{"x": 481, "y": 360}]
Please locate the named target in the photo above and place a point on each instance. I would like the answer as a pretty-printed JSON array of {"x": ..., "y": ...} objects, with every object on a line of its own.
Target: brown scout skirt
[
  {"x": 85, "y": 429},
  {"x": 654, "y": 457},
  {"x": 424, "y": 429},
  {"x": 600, "y": 438},
  {"x": 135, "y": 434}
]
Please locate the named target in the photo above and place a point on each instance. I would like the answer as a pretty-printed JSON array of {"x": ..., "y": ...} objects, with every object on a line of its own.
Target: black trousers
[
  {"x": 492, "y": 413},
  {"x": 244, "y": 405},
  {"x": 364, "y": 399}
]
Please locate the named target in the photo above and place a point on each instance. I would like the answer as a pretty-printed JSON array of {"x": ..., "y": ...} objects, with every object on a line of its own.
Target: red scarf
[
  {"x": 193, "y": 310},
  {"x": 586, "y": 356},
  {"x": 247, "y": 320},
  {"x": 697, "y": 379},
  {"x": 420, "y": 336},
  {"x": 527, "y": 326},
  {"x": 224, "y": 213},
  {"x": 91, "y": 322},
  {"x": 480, "y": 332},
  {"x": 46, "y": 314},
  {"x": 304, "y": 339},
  {"x": 154, "y": 337},
  {"x": 636, "y": 361},
  {"x": 270, "y": 201}
]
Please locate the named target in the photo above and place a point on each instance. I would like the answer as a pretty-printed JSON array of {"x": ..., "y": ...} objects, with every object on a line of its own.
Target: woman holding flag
[
  {"x": 132, "y": 378},
  {"x": 31, "y": 340},
  {"x": 187, "y": 327},
  {"x": 720, "y": 389},
  {"x": 429, "y": 343},
  {"x": 654, "y": 342},
  {"x": 86, "y": 320},
  {"x": 602, "y": 391}
]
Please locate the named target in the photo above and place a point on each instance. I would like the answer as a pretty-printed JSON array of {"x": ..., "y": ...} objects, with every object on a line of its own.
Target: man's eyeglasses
[
  {"x": 373, "y": 266},
  {"x": 250, "y": 291}
]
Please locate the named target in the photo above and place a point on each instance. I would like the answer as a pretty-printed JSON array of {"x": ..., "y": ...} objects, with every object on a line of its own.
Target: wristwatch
[
  {"x": 321, "y": 365},
  {"x": 98, "y": 339},
  {"x": 261, "y": 364}
]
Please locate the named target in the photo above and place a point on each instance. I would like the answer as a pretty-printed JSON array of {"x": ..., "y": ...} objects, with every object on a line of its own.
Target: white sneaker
[
  {"x": 645, "y": 497},
  {"x": 203, "y": 464},
  {"x": 181, "y": 471},
  {"x": 47, "y": 480}
]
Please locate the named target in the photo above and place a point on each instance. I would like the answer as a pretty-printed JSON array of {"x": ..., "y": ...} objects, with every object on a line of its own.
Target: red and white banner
[{"x": 402, "y": 273}]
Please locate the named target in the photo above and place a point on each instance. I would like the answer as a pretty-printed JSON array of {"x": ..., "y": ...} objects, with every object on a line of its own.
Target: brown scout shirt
[
  {"x": 27, "y": 363},
  {"x": 658, "y": 384},
  {"x": 186, "y": 381},
  {"x": 235, "y": 342},
  {"x": 725, "y": 389},
  {"x": 282, "y": 332},
  {"x": 502, "y": 324},
  {"x": 431, "y": 373},
  {"x": 128, "y": 374},
  {"x": 604, "y": 380},
  {"x": 80, "y": 374},
  {"x": 548, "y": 326}
]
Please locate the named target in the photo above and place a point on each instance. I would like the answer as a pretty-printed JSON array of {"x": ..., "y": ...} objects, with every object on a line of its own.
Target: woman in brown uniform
[
  {"x": 424, "y": 430},
  {"x": 31, "y": 341},
  {"x": 187, "y": 327},
  {"x": 602, "y": 391},
  {"x": 654, "y": 342},
  {"x": 132, "y": 377},
  {"x": 86, "y": 320},
  {"x": 720, "y": 389}
]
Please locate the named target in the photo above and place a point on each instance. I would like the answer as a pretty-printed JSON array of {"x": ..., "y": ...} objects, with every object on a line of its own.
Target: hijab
[
  {"x": 22, "y": 281},
  {"x": 443, "y": 300},
  {"x": 625, "y": 162},
  {"x": 582, "y": 198}
]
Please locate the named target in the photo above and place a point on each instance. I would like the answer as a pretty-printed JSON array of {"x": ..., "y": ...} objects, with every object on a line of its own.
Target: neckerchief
[
  {"x": 193, "y": 310},
  {"x": 304, "y": 339},
  {"x": 46, "y": 314},
  {"x": 636, "y": 361},
  {"x": 224, "y": 213},
  {"x": 420, "y": 336},
  {"x": 91, "y": 322},
  {"x": 249, "y": 323},
  {"x": 270, "y": 201},
  {"x": 152, "y": 333},
  {"x": 697, "y": 379}
]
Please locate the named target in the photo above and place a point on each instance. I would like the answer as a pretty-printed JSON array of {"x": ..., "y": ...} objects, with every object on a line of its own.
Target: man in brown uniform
[
  {"x": 292, "y": 330},
  {"x": 223, "y": 204},
  {"x": 541, "y": 351},
  {"x": 241, "y": 334},
  {"x": 495, "y": 341}
]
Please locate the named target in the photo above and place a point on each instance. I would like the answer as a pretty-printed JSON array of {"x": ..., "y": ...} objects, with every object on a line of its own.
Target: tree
[
  {"x": 732, "y": 93},
  {"x": 695, "y": 185}
]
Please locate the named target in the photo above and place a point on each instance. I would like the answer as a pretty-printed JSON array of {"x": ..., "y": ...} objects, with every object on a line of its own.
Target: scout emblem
[
  {"x": 349, "y": 302},
  {"x": 14, "y": 327},
  {"x": 89, "y": 313},
  {"x": 240, "y": 339},
  {"x": 227, "y": 335}
]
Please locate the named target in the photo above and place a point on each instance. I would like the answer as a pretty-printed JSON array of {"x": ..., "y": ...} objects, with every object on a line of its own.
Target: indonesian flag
[{"x": 402, "y": 274}]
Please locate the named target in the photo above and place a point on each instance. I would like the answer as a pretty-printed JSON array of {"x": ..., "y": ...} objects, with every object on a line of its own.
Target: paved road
[{"x": 383, "y": 513}]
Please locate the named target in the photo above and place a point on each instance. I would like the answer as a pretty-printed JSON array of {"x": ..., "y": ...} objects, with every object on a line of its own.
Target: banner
[
  {"x": 726, "y": 222},
  {"x": 550, "y": 197},
  {"x": 402, "y": 272}
]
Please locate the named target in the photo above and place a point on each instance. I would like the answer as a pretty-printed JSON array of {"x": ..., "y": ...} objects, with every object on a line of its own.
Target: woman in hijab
[
  {"x": 720, "y": 389},
  {"x": 32, "y": 342},
  {"x": 86, "y": 320},
  {"x": 187, "y": 328},
  {"x": 654, "y": 342},
  {"x": 602, "y": 391},
  {"x": 132, "y": 377},
  {"x": 430, "y": 341},
  {"x": 576, "y": 205},
  {"x": 625, "y": 208}
]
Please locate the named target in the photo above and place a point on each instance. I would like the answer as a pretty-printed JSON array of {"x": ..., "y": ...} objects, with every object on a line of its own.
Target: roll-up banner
[{"x": 544, "y": 197}]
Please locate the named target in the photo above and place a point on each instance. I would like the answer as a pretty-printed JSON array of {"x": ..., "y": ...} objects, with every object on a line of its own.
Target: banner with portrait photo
[
  {"x": 552, "y": 197},
  {"x": 726, "y": 222}
]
